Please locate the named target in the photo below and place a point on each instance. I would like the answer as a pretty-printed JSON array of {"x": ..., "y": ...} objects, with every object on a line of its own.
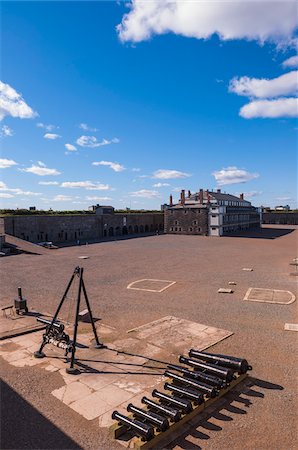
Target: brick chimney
[
  {"x": 183, "y": 197},
  {"x": 171, "y": 200},
  {"x": 208, "y": 196},
  {"x": 201, "y": 196},
  {"x": 241, "y": 196},
  {"x": 189, "y": 194},
  {"x": 218, "y": 191}
]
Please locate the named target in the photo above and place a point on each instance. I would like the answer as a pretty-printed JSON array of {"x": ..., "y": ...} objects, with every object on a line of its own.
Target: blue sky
[{"x": 159, "y": 104}]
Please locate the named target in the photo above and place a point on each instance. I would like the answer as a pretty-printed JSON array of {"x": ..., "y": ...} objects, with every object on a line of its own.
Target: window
[
  {"x": 179, "y": 228},
  {"x": 176, "y": 222},
  {"x": 171, "y": 228},
  {"x": 213, "y": 228},
  {"x": 195, "y": 222},
  {"x": 185, "y": 211},
  {"x": 190, "y": 228},
  {"x": 213, "y": 215},
  {"x": 176, "y": 229}
]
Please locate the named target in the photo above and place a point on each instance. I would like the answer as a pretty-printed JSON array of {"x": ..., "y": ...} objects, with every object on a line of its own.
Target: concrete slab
[
  {"x": 291, "y": 326},
  {"x": 269, "y": 296}
]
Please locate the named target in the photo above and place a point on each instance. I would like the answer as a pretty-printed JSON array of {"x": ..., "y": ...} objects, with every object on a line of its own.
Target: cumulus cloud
[
  {"x": 40, "y": 169},
  {"x": 16, "y": 191},
  {"x": 6, "y": 163},
  {"x": 166, "y": 174},
  {"x": 265, "y": 88},
  {"x": 252, "y": 20},
  {"x": 98, "y": 199},
  {"x": 6, "y": 195},
  {"x": 61, "y": 198},
  {"x": 70, "y": 147},
  {"x": 86, "y": 127},
  {"x": 290, "y": 62},
  {"x": 48, "y": 127},
  {"x": 233, "y": 175},
  {"x": 13, "y": 104},
  {"x": 159, "y": 185},
  {"x": 145, "y": 193},
  {"x": 89, "y": 185},
  {"x": 92, "y": 142},
  {"x": 282, "y": 107},
  {"x": 113, "y": 165},
  {"x": 51, "y": 136},
  {"x": 48, "y": 183},
  {"x": 6, "y": 131}
]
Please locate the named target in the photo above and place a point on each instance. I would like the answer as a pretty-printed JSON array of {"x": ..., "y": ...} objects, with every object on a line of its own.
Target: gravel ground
[{"x": 262, "y": 417}]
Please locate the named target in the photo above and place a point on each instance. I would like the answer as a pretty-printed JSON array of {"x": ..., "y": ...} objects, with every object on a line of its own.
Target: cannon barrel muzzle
[
  {"x": 193, "y": 395},
  {"x": 156, "y": 419},
  {"x": 210, "y": 391},
  {"x": 240, "y": 365},
  {"x": 213, "y": 369},
  {"x": 199, "y": 376},
  {"x": 140, "y": 428},
  {"x": 180, "y": 403},
  {"x": 57, "y": 325},
  {"x": 172, "y": 413}
]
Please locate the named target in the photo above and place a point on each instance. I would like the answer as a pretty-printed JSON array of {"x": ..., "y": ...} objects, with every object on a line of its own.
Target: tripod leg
[
  {"x": 39, "y": 353},
  {"x": 71, "y": 369},
  {"x": 98, "y": 344}
]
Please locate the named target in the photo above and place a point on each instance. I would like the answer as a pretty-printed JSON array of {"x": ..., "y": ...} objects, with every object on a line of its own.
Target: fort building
[{"x": 210, "y": 213}]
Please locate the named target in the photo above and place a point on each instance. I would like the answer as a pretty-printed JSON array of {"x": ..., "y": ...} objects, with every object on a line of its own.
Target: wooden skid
[{"x": 171, "y": 433}]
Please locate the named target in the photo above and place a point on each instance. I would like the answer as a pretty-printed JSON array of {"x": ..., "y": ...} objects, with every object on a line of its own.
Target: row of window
[
  {"x": 194, "y": 222},
  {"x": 181, "y": 229}
]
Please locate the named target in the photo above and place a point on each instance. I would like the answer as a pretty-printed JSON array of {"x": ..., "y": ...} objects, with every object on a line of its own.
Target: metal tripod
[{"x": 39, "y": 354}]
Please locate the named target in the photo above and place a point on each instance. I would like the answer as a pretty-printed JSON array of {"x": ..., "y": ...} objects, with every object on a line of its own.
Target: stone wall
[
  {"x": 68, "y": 228},
  {"x": 186, "y": 221}
]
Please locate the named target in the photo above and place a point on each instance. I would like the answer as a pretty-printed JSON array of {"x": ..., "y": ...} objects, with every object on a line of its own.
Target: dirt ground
[{"x": 262, "y": 415}]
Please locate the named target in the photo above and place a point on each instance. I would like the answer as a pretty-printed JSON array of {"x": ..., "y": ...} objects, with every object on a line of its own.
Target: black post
[
  {"x": 39, "y": 353},
  {"x": 98, "y": 344},
  {"x": 71, "y": 369}
]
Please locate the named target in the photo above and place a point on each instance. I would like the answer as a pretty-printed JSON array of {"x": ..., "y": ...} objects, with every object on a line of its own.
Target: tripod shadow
[{"x": 202, "y": 427}]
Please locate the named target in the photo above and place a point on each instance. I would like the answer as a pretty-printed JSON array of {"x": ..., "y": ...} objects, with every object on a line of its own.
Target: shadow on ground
[
  {"x": 202, "y": 427},
  {"x": 262, "y": 233},
  {"x": 22, "y": 426}
]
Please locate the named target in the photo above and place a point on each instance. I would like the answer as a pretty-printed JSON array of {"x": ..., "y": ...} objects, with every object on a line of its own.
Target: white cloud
[
  {"x": 290, "y": 62},
  {"x": 6, "y": 195},
  {"x": 282, "y": 107},
  {"x": 86, "y": 127},
  {"x": 136, "y": 169},
  {"x": 40, "y": 170},
  {"x": 252, "y": 20},
  {"x": 48, "y": 183},
  {"x": 52, "y": 136},
  {"x": 89, "y": 185},
  {"x": 98, "y": 199},
  {"x": 145, "y": 193},
  {"x": 49, "y": 127},
  {"x": 13, "y": 104},
  {"x": 159, "y": 185},
  {"x": 113, "y": 165},
  {"x": 166, "y": 174},
  {"x": 6, "y": 163},
  {"x": 70, "y": 147},
  {"x": 17, "y": 191},
  {"x": 61, "y": 198},
  {"x": 6, "y": 131},
  {"x": 265, "y": 88},
  {"x": 251, "y": 194},
  {"x": 233, "y": 175},
  {"x": 284, "y": 199},
  {"x": 92, "y": 142}
]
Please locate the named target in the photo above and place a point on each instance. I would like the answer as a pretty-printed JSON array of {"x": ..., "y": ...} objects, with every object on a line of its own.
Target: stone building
[
  {"x": 103, "y": 223},
  {"x": 210, "y": 213}
]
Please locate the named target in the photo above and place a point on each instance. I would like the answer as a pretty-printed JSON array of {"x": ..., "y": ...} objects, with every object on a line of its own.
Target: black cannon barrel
[
  {"x": 199, "y": 376},
  {"x": 20, "y": 293},
  {"x": 219, "y": 371},
  {"x": 193, "y": 395},
  {"x": 140, "y": 428},
  {"x": 238, "y": 364},
  {"x": 57, "y": 325},
  {"x": 210, "y": 391},
  {"x": 172, "y": 413},
  {"x": 180, "y": 403},
  {"x": 159, "y": 421}
]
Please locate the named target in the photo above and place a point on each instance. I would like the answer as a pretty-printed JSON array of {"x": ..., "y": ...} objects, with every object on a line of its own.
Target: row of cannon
[{"x": 203, "y": 376}]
